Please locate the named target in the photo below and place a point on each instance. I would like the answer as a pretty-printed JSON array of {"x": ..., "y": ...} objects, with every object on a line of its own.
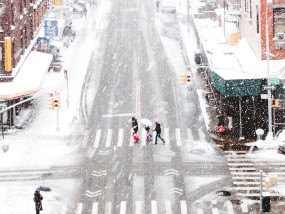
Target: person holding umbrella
[{"x": 38, "y": 201}]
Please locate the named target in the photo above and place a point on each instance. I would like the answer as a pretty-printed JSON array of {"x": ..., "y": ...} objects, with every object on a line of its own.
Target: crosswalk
[
  {"x": 123, "y": 137},
  {"x": 164, "y": 206},
  {"x": 246, "y": 174}
]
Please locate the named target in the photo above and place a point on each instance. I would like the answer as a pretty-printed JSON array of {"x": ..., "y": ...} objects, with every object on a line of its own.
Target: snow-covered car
[
  {"x": 168, "y": 7},
  {"x": 281, "y": 141}
]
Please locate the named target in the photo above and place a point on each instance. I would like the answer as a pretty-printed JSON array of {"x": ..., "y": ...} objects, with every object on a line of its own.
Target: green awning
[{"x": 237, "y": 87}]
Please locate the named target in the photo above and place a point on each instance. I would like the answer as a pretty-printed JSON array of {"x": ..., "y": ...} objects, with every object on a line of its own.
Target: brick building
[{"x": 20, "y": 20}]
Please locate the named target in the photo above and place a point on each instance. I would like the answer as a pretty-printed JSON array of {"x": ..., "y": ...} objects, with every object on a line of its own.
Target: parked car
[
  {"x": 79, "y": 8},
  {"x": 168, "y": 7}
]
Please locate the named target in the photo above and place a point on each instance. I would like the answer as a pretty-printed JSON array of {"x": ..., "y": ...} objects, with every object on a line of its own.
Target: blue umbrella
[{"x": 43, "y": 188}]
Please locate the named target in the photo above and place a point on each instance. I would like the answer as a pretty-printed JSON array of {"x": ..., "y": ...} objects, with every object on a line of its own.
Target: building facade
[
  {"x": 20, "y": 20},
  {"x": 254, "y": 23}
]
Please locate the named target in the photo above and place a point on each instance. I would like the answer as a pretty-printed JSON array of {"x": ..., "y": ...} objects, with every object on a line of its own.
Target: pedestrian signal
[
  {"x": 188, "y": 78},
  {"x": 56, "y": 103},
  {"x": 276, "y": 103}
]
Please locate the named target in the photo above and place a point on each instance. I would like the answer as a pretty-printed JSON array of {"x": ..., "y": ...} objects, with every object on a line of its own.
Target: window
[
  {"x": 245, "y": 6},
  {"x": 1, "y": 61},
  {"x": 250, "y": 10},
  {"x": 1, "y": 13},
  {"x": 279, "y": 21},
  {"x": 257, "y": 20}
]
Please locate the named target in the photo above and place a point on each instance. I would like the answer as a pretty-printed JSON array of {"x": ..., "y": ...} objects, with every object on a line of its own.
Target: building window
[
  {"x": 257, "y": 20},
  {"x": 1, "y": 13},
  {"x": 245, "y": 6},
  {"x": 1, "y": 61},
  {"x": 279, "y": 21},
  {"x": 250, "y": 10}
]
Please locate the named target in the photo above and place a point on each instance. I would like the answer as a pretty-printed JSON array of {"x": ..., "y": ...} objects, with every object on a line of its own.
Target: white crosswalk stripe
[
  {"x": 168, "y": 209},
  {"x": 123, "y": 207},
  {"x": 97, "y": 138},
  {"x": 109, "y": 138},
  {"x": 166, "y": 136},
  {"x": 120, "y": 138},
  {"x": 178, "y": 137},
  {"x": 138, "y": 207},
  {"x": 153, "y": 207},
  {"x": 95, "y": 208},
  {"x": 166, "y": 206},
  {"x": 117, "y": 138},
  {"x": 202, "y": 135}
]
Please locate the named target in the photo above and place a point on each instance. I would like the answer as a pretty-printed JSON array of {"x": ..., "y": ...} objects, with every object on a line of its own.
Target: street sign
[{"x": 275, "y": 81}]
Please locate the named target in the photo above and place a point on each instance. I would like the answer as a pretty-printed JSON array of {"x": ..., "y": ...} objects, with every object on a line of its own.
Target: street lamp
[{"x": 269, "y": 87}]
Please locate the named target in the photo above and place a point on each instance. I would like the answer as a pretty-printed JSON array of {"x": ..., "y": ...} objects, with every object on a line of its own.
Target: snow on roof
[
  {"x": 238, "y": 63},
  {"x": 29, "y": 79}
]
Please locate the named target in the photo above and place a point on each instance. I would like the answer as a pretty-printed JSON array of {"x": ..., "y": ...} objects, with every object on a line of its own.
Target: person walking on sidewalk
[
  {"x": 38, "y": 201},
  {"x": 158, "y": 133}
]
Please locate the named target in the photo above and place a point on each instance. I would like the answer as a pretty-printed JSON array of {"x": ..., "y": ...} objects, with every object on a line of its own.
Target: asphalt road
[{"x": 130, "y": 75}]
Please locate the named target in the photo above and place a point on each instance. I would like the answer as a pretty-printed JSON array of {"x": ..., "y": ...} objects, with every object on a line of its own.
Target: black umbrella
[{"x": 43, "y": 188}]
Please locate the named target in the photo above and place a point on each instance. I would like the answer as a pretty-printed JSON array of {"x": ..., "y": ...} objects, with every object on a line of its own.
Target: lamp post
[{"x": 269, "y": 87}]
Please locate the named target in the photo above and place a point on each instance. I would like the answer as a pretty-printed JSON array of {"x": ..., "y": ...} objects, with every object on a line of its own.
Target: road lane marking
[
  {"x": 119, "y": 115},
  {"x": 153, "y": 207},
  {"x": 202, "y": 135},
  {"x": 230, "y": 207},
  {"x": 138, "y": 100},
  {"x": 97, "y": 138},
  {"x": 215, "y": 210},
  {"x": 178, "y": 137},
  {"x": 85, "y": 139},
  {"x": 132, "y": 139},
  {"x": 143, "y": 138},
  {"x": 95, "y": 208},
  {"x": 199, "y": 211},
  {"x": 244, "y": 208},
  {"x": 120, "y": 137},
  {"x": 109, "y": 138},
  {"x": 79, "y": 208},
  {"x": 168, "y": 207},
  {"x": 108, "y": 208},
  {"x": 123, "y": 207},
  {"x": 138, "y": 207},
  {"x": 189, "y": 135},
  {"x": 183, "y": 206},
  {"x": 166, "y": 136}
]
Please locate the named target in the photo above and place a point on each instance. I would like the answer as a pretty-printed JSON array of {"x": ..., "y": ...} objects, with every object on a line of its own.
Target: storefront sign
[{"x": 8, "y": 54}]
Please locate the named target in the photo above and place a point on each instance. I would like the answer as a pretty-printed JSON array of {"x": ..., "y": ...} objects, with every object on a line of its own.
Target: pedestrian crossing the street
[
  {"x": 164, "y": 206},
  {"x": 246, "y": 174},
  {"x": 123, "y": 137}
]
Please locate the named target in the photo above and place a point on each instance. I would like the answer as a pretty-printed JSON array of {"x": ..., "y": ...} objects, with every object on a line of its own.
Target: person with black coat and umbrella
[{"x": 38, "y": 201}]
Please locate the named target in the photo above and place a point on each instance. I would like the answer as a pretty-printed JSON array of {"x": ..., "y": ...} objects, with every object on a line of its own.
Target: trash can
[{"x": 266, "y": 202}]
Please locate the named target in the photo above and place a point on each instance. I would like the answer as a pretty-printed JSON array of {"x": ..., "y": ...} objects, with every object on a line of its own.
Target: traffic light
[
  {"x": 56, "y": 102},
  {"x": 188, "y": 78},
  {"x": 183, "y": 78}
]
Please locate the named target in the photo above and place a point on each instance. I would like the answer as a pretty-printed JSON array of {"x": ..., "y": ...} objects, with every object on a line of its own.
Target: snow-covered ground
[{"x": 40, "y": 146}]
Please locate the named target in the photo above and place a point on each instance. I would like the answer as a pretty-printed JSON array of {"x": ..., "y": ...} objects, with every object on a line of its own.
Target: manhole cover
[
  {"x": 203, "y": 205},
  {"x": 198, "y": 151},
  {"x": 236, "y": 201},
  {"x": 223, "y": 193}
]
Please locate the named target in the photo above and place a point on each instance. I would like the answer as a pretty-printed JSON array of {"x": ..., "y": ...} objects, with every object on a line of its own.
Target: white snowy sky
[{"x": 41, "y": 146}]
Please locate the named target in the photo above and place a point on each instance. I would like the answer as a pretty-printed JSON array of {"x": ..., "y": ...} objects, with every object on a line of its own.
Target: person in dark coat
[
  {"x": 38, "y": 201},
  {"x": 135, "y": 125},
  {"x": 158, "y": 133}
]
